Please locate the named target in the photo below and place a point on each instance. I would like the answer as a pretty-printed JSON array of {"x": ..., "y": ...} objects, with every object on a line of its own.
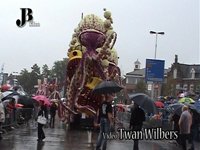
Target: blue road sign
[{"x": 154, "y": 70}]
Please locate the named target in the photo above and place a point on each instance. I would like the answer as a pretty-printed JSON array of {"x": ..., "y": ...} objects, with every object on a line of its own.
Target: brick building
[{"x": 183, "y": 77}]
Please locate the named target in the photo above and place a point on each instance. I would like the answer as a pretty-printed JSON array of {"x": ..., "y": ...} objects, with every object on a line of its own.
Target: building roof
[
  {"x": 137, "y": 72},
  {"x": 186, "y": 70},
  {"x": 141, "y": 72},
  {"x": 137, "y": 62}
]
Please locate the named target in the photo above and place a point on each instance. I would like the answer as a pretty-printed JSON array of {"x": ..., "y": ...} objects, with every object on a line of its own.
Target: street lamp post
[
  {"x": 153, "y": 84},
  {"x": 156, "y": 33}
]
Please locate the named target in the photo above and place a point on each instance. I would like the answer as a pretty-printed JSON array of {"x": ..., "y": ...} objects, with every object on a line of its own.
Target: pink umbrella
[{"x": 42, "y": 98}]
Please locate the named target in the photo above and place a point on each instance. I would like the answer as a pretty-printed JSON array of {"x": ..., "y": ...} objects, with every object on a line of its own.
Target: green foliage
[
  {"x": 45, "y": 71},
  {"x": 141, "y": 87},
  {"x": 25, "y": 80},
  {"x": 59, "y": 70},
  {"x": 35, "y": 69},
  {"x": 29, "y": 79}
]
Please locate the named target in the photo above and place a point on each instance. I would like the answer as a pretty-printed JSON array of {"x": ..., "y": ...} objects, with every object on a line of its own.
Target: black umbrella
[
  {"x": 196, "y": 106},
  {"x": 193, "y": 108},
  {"x": 145, "y": 102},
  {"x": 107, "y": 87},
  {"x": 26, "y": 101},
  {"x": 175, "y": 108}
]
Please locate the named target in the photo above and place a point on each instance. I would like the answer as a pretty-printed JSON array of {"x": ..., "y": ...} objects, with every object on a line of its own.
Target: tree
[
  {"x": 59, "y": 71},
  {"x": 24, "y": 80},
  {"x": 45, "y": 71},
  {"x": 141, "y": 87},
  {"x": 36, "y": 69},
  {"x": 29, "y": 79},
  {"x": 34, "y": 76}
]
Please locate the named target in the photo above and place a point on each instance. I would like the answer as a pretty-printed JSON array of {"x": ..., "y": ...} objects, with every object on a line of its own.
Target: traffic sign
[{"x": 154, "y": 70}]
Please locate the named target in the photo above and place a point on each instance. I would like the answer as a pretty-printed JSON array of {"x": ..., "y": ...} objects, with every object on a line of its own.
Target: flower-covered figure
[{"x": 92, "y": 59}]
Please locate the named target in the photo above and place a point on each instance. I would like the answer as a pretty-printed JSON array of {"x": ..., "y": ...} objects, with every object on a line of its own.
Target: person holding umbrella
[
  {"x": 136, "y": 122},
  {"x": 175, "y": 119},
  {"x": 42, "y": 112},
  {"x": 105, "y": 117}
]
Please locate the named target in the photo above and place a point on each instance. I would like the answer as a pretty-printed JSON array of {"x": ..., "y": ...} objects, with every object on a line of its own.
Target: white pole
[{"x": 156, "y": 45}]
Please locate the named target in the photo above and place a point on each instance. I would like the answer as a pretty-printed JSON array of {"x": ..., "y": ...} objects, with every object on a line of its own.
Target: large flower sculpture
[{"x": 92, "y": 59}]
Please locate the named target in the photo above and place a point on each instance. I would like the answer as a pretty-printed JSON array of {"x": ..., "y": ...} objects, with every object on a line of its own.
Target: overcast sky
[{"x": 133, "y": 19}]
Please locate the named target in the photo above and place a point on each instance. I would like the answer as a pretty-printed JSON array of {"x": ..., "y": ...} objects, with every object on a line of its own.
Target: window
[
  {"x": 127, "y": 80},
  {"x": 191, "y": 87},
  {"x": 198, "y": 88},
  {"x": 192, "y": 73},
  {"x": 131, "y": 80},
  {"x": 177, "y": 86},
  {"x": 175, "y": 74},
  {"x": 185, "y": 86},
  {"x": 136, "y": 81}
]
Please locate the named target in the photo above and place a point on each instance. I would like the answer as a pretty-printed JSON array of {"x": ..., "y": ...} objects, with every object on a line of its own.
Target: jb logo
[{"x": 26, "y": 16}]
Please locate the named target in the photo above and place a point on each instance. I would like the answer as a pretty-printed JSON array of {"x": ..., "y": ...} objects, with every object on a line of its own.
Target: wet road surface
[{"x": 58, "y": 138}]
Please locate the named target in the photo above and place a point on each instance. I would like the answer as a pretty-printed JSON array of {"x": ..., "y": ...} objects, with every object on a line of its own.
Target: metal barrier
[
  {"x": 124, "y": 120},
  {"x": 16, "y": 117}
]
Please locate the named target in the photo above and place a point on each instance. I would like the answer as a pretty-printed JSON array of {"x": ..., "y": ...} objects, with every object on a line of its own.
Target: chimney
[{"x": 176, "y": 59}]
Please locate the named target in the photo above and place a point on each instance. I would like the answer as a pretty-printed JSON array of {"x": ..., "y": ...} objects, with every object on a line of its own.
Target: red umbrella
[
  {"x": 159, "y": 104},
  {"x": 19, "y": 105},
  {"x": 42, "y": 98}
]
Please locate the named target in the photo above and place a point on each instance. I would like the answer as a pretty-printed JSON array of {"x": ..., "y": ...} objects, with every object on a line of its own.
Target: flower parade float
[{"x": 92, "y": 59}]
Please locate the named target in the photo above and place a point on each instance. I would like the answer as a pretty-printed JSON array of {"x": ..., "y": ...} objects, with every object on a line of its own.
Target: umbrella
[
  {"x": 194, "y": 107},
  {"x": 42, "y": 98},
  {"x": 186, "y": 100},
  {"x": 197, "y": 106},
  {"x": 18, "y": 105},
  {"x": 5, "y": 87},
  {"x": 145, "y": 102},
  {"x": 159, "y": 104},
  {"x": 5, "y": 102},
  {"x": 107, "y": 87},
  {"x": 9, "y": 94},
  {"x": 26, "y": 101},
  {"x": 175, "y": 108}
]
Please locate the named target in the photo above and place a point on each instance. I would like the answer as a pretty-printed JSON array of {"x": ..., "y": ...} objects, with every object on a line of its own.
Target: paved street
[{"x": 25, "y": 138}]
